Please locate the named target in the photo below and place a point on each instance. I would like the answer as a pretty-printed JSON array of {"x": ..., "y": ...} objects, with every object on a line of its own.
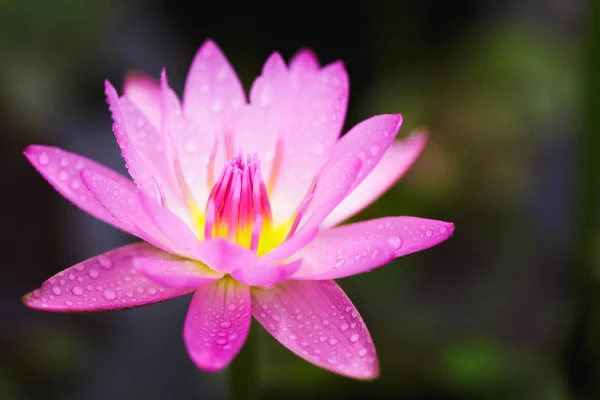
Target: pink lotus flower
[{"x": 237, "y": 201}]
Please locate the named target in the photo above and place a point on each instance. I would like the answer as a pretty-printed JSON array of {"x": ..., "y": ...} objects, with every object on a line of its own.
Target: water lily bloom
[{"x": 237, "y": 202}]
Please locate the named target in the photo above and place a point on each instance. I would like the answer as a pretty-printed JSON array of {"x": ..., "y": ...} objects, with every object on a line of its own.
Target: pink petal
[
  {"x": 217, "y": 324},
  {"x": 392, "y": 166},
  {"x": 330, "y": 189},
  {"x": 310, "y": 128},
  {"x": 191, "y": 143},
  {"x": 265, "y": 275},
  {"x": 105, "y": 282},
  {"x": 212, "y": 85},
  {"x": 140, "y": 215},
  {"x": 223, "y": 256},
  {"x": 144, "y": 92},
  {"x": 317, "y": 321},
  {"x": 61, "y": 169},
  {"x": 368, "y": 140},
  {"x": 360, "y": 247},
  {"x": 304, "y": 66},
  {"x": 173, "y": 272},
  {"x": 143, "y": 149}
]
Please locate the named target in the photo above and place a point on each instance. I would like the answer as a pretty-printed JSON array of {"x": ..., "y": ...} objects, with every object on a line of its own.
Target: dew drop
[
  {"x": 325, "y": 322},
  {"x": 292, "y": 337},
  {"x": 77, "y": 291},
  {"x": 56, "y": 290},
  {"x": 395, "y": 241},
  {"x": 362, "y": 352},
  {"x": 151, "y": 290},
  {"x": 339, "y": 263},
  {"x": 429, "y": 233},
  {"x": 344, "y": 327},
  {"x": 333, "y": 341},
  {"x": 443, "y": 229},
  {"x": 63, "y": 175},
  {"x": 221, "y": 341},
  {"x": 225, "y": 324},
  {"x": 109, "y": 294},
  {"x": 104, "y": 262},
  {"x": 93, "y": 273},
  {"x": 374, "y": 149},
  {"x": 43, "y": 158},
  {"x": 354, "y": 337}
]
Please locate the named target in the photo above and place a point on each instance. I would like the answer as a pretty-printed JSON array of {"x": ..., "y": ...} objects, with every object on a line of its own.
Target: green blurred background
[{"x": 509, "y": 308}]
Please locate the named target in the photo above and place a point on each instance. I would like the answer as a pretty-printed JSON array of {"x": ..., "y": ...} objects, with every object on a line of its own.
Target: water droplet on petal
[
  {"x": 43, "y": 158},
  {"x": 225, "y": 324},
  {"x": 93, "y": 273},
  {"x": 395, "y": 241},
  {"x": 339, "y": 263},
  {"x": 104, "y": 262},
  {"x": 109, "y": 294},
  {"x": 429, "y": 233},
  {"x": 333, "y": 341},
  {"x": 374, "y": 149},
  {"x": 443, "y": 229},
  {"x": 354, "y": 337},
  {"x": 56, "y": 290},
  {"x": 77, "y": 291},
  {"x": 344, "y": 327}
]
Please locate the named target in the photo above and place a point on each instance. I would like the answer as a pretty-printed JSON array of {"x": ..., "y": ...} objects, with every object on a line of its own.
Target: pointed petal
[
  {"x": 368, "y": 140},
  {"x": 143, "y": 149},
  {"x": 265, "y": 275},
  {"x": 212, "y": 85},
  {"x": 223, "y": 256},
  {"x": 392, "y": 166},
  {"x": 144, "y": 92},
  {"x": 317, "y": 321},
  {"x": 61, "y": 169},
  {"x": 330, "y": 189},
  {"x": 310, "y": 128},
  {"x": 304, "y": 66},
  {"x": 140, "y": 215},
  {"x": 173, "y": 272},
  {"x": 217, "y": 324},
  {"x": 105, "y": 282},
  {"x": 360, "y": 247}
]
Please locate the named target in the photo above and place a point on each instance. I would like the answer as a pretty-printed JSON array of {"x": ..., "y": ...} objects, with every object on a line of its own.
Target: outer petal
[
  {"x": 361, "y": 247},
  {"x": 141, "y": 216},
  {"x": 265, "y": 275},
  {"x": 317, "y": 321},
  {"x": 212, "y": 85},
  {"x": 143, "y": 149},
  {"x": 61, "y": 169},
  {"x": 368, "y": 141},
  {"x": 144, "y": 92},
  {"x": 310, "y": 128},
  {"x": 105, "y": 282},
  {"x": 217, "y": 324},
  {"x": 173, "y": 272},
  {"x": 392, "y": 166}
]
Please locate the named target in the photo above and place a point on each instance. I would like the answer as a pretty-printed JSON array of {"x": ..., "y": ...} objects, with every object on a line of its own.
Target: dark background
[{"x": 508, "y": 308}]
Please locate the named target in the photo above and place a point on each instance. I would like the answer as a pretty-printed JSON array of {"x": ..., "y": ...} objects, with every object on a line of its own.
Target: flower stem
[{"x": 243, "y": 371}]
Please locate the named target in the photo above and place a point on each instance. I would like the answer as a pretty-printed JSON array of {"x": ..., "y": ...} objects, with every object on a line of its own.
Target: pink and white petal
[
  {"x": 144, "y": 92},
  {"x": 310, "y": 128},
  {"x": 190, "y": 144},
  {"x": 173, "y": 272},
  {"x": 217, "y": 323},
  {"x": 223, "y": 256},
  {"x": 304, "y": 66},
  {"x": 356, "y": 248},
  {"x": 368, "y": 140},
  {"x": 317, "y": 321},
  {"x": 265, "y": 275},
  {"x": 143, "y": 150},
  {"x": 392, "y": 166},
  {"x": 62, "y": 170},
  {"x": 125, "y": 205},
  {"x": 212, "y": 85},
  {"x": 330, "y": 189},
  {"x": 105, "y": 282}
]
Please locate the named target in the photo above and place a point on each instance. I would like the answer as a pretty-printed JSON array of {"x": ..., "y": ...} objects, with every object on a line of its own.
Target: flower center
[{"x": 238, "y": 206}]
